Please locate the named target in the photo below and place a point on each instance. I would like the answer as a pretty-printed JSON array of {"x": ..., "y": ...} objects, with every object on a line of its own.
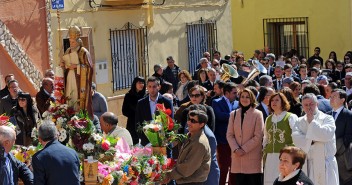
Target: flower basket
[
  {"x": 106, "y": 158},
  {"x": 159, "y": 150},
  {"x": 90, "y": 171}
]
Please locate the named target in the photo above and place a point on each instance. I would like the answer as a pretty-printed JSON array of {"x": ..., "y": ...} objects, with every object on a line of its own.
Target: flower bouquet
[
  {"x": 24, "y": 154},
  {"x": 60, "y": 113},
  {"x": 162, "y": 130},
  {"x": 145, "y": 169},
  {"x": 5, "y": 120},
  {"x": 81, "y": 129},
  {"x": 100, "y": 148}
]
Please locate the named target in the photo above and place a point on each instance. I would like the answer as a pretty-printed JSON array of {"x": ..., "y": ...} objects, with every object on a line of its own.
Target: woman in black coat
[
  {"x": 295, "y": 106},
  {"x": 136, "y": 93},
  {"x": 25, "y": 116}
]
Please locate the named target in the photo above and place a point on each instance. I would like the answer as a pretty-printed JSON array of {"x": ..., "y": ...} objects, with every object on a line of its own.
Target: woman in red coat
[{"x": 245, "y": 135}]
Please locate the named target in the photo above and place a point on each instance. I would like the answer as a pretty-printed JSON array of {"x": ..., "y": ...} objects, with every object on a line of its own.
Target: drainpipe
[{"x": 150, "y": 14}]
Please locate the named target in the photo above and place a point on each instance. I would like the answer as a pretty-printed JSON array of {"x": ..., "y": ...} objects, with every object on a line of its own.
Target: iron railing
[
  {"x": 201, "y": 37},
  {"x": 129, "y": 55},
  {"x": 282, "y": 35}
]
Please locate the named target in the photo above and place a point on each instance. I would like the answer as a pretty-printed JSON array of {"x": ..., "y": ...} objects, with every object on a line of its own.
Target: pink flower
[{"x": 299, "y": 183}]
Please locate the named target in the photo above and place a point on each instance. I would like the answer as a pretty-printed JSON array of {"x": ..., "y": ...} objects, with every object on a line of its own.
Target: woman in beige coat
[{"x": 245, "y": 135}]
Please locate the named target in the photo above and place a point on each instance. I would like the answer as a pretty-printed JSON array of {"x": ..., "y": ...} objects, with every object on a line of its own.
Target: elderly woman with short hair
[{"x": 290, "y": 167}]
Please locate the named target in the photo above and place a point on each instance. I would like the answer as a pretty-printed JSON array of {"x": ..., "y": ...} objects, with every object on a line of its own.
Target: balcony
[{"x": 123, "y": 3}]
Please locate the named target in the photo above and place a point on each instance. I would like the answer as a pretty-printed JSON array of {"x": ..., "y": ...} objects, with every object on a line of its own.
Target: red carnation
[
  {"x": 150, "y": 161},
  {"x": 168, "y": 112},
  {"x": 105, "y": 145}
]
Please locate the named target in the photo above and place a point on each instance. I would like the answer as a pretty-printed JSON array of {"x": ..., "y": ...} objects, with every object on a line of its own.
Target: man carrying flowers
[{"x": 193, "y": 164}]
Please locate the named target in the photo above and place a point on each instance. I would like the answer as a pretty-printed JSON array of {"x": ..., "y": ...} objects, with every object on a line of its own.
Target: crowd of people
[
  {"x": 264, "y": 120},
  {"x": 266, "y": 126}
]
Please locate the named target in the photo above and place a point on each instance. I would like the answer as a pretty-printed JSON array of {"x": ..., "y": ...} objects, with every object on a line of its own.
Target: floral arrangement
[
  {"x": 137, "y": 167},
  {"x": 5, "y": 120},
  {"x": 60, "y": 114},
  {"x": 100, "y": 148},
  {"x": 80, "y": 128},
  {"x": 162, "y": 130},
  {"x": 24, "y": 154}
]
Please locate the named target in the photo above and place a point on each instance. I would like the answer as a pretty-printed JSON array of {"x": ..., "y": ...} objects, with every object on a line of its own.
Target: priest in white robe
[{"x": 315, "y": 134}]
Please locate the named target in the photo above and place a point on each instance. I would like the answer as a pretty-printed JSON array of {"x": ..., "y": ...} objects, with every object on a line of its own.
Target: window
[
  {"x": 201, "y": 37},
  {"x": 283, "y": 34},
  {"x": 129, "y": 55}
]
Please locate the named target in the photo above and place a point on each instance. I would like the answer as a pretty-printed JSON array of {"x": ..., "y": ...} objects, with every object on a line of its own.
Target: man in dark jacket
[
  {"x": 5, "y": 91},
  {"x": 171, "y": 72},
  {"x": 146, "y": 106},
  {"x": 9, "y": 101},
  {"x": 11, "y": 169},
  {"x": 343, "y": 132},
  {"x": 315, "y": 56},
  {"x": 56, "y": 164},
  {"x": 44, "y": 96}
]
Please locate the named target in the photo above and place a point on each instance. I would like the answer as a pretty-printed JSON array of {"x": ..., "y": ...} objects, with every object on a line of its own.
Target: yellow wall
[
  {"x": 166, "y": 36},
  {"x": 329, "y": 23}
]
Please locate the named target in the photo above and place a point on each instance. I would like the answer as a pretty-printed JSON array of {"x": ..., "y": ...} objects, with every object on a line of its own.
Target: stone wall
[
  {"x": 115, "y": 106},
  {"x": 19, "y": 56}
]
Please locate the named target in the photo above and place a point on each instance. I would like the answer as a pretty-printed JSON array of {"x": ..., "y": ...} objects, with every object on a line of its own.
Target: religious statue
[{"x": 78, "y": 72}]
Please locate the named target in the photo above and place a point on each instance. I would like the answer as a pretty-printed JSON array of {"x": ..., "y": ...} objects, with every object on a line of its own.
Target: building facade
[
  {"x": 284, "y": 25},
  {"x": 126, "y": 38}
]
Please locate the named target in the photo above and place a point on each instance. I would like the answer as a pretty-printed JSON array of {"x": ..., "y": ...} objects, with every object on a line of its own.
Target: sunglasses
[
  {"x": 215, "y": 64},
  {"x": 22, "y": 99},
  {"x": 347, "y": 58},
  {"x": 195, "y": 95},
  {"x": 193, "y": 120}
]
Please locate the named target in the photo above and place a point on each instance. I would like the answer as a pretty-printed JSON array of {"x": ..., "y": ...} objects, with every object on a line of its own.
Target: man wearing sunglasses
[
  {"x": 193, "y": 164},
  {"x": 315, "y": 56},
  {"x": 10, "y": 100}
]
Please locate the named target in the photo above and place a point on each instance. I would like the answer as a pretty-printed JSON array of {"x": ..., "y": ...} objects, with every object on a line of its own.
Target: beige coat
[{"x": 249, "y": 137}]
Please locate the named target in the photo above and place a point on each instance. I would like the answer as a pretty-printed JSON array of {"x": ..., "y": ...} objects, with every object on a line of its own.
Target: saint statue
[{"x": 78, "y": 72}]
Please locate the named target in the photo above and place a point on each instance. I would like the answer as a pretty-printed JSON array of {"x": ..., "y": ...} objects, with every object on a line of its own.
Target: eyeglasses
[
  {"x": 22, "y": 99},
  {"x": 193, "y": 120},
  {"x": 195, "y": 95}
]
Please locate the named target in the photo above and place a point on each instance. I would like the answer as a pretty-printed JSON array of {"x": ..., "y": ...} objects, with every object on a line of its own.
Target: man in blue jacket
[
  {"x": 10, "y": 168},
  {"x": 222, "y": 108}
]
